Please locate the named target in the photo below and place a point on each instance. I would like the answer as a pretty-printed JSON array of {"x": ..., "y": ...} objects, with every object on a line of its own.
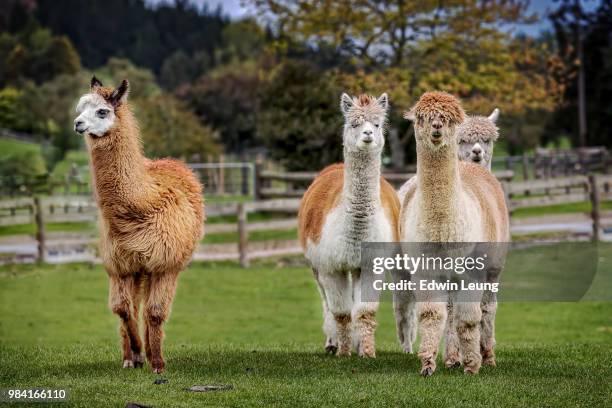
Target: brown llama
[{"x": 151, "y": 219}]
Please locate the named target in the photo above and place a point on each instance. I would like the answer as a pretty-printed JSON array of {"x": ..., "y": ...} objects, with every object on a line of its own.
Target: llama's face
[
  {"x": 435, "y": 117},
  {"x": 364, "y": 122},
  {"x": 97, "y": 109},
  {"x": 96, "y": 116},
  {"x": 434, "y": 131},
  {"x": 476, "y": 137}
]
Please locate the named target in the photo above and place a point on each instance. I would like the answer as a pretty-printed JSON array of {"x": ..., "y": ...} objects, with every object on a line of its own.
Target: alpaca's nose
[
  {"x": 79, "y": 126},
  {"x": 368, "y": 132},
  {"x": 437, "y": 125},
  {"x": 476, "y": 150}
]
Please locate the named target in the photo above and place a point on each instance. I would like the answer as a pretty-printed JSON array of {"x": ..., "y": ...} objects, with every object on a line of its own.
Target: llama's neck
[
  {"x": 439, "y": 184},
  {"x": 361, "y": 191},
  {"x": 118, "y": 164}
]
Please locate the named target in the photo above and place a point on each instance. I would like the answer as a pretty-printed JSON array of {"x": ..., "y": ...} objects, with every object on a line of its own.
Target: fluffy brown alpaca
[{"x": 151, "y": 219}]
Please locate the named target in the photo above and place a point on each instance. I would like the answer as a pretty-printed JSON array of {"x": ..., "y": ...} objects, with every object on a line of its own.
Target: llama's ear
[
  {"x": 346, "y": 103},
  {"x": 120, "y": 94},
  {"x": 494, "y": 116},
  {"x": 95, "y": 83},
  {"x": 409, "y": 115},
  {"x": 383, "y": 101}
]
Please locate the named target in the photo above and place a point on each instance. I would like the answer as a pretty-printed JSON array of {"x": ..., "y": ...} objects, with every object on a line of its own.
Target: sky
[{"x": 235, "y": 10}]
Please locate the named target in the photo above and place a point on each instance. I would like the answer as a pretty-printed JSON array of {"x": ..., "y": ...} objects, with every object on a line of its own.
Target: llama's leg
[
  {"x": 487, "y": 327},
  {"x": 329, "y": 324},
  {"x": 451, "y": 343},
  {"x": 467, "y": 321},
  {"x": 159, "y": 294},
  {"x": 364, "y": 318},
  {"x": 136, "y": 300},
  {"x": 121, "y": 303},
  {"x": 404, "y": 308},
  {"x": 432, "y": 319},
  {"x": 339, "y": 302}
]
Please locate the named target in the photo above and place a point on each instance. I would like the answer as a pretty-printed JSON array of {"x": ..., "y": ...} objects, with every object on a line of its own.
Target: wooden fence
[{"x": 520, "y": 194}]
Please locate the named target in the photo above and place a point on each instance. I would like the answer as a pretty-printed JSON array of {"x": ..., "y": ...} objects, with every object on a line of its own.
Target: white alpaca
[
  {"x": 343, "y": 207},
  {"x": 476, "y": 137},
  {"x": 450, "y": 201}
]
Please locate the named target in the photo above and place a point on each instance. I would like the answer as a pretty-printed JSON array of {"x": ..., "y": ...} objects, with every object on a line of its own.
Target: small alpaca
[
  {"x": 151, "y": 219},
  {"x": 476, "y": 136},
  {"x": 346, "y": 205},
  {"x": 450, "y": 201}
]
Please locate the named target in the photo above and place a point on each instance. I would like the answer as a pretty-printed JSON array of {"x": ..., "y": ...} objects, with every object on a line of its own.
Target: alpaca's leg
[
  {"x": 159, "y": 294},
  {"x": 136, "y": 300},
  {"x": 329, "y": 324},
  {"x": 487, "y": 327},
  {"x": 452, "y": 358},
  {"x": 339, "y": 302},
  {"x": 404, "y": 307},
  {"x": 467, "y": 321},
  {"x": 432, "y": 319},
  {"x": 121, "y": 302},
  {"x": 364, "y": 318}
]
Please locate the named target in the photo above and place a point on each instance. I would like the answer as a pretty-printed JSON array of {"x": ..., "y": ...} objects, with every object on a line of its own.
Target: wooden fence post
[
  {"x": 525, "y": 160},
  {"x": 595, "y": 208},
  {"x": 243, "y": 235},
  {"x": 221, "y": 185},
  {"x": 259, "y": 166},
  {"x": 40, "y": 229}
]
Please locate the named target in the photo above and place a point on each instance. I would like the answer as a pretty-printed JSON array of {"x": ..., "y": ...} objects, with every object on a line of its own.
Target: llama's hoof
[
  {"x": 452, "y": 363},
  {"x": 490, "y": 361},
  {"x": 138, "y": 361},
  {"x": 331, "y": 349},
  {"x": 128, "y": 364},
  {"x": 471, "y": 370},
  {"x": 407, "y": 347},
  {"x": 427, "y": 372}
]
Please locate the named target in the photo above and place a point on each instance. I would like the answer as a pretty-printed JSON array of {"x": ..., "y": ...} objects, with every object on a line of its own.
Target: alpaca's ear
[
  {"x": 346, "y": 103},
  {"x": 409, "y": 115},
  {"x": 494, "y": 116},
  {"x": 95, "y": 83},
  {"x": 383, "y": 101},
  {"x": 120, "y": 94}
]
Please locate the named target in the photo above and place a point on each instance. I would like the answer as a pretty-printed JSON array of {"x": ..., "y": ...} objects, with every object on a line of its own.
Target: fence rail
[{"x": 520, "y": 194}]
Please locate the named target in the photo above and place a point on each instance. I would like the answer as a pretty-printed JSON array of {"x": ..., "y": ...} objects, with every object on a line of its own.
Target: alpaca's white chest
[
  {"x": 337, "y": 248},
  {"x": 461, "y": 222}
]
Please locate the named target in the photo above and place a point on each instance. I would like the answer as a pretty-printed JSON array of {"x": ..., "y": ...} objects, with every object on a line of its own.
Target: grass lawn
[
  {"x": 584, "y": 207},
  {"x": 10, "y": 146},
  {"x": 259, "y": 330},
  {"x": 30, "y": 229}
]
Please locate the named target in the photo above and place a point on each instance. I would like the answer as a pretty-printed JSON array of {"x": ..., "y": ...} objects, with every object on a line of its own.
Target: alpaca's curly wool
[
  {"x": 443, "y": 104},
  {"x": 477, "y": 129}
]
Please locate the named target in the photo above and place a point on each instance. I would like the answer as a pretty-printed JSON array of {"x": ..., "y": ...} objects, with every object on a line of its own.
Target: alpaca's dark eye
[
  {"x": 355, "y": 125},
  {"x": 377, "y": 124},
  {"x": 101, "y": 113}
]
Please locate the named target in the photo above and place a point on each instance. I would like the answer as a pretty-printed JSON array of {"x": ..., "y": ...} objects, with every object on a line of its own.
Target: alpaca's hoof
[
  {"x": 368, "y": 353},
  {"x": 343, "y": 352},
  {"x": 471, "y": 370},
  {"x": 407, "y": 347},
  {"x": 128, "y": 364},
  {"x": 490, "y": 361},
  {"x": 427, "y": 372},
  {"x": 331, "y": 349},
  {"x": 138, "y": 361},
  {"x": 158, "y": 370},
  {"x": 452, "y": 363}
]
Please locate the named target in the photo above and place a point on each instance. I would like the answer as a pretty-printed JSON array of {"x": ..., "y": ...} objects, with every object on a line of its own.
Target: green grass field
[{"x": 258, "y": 329}]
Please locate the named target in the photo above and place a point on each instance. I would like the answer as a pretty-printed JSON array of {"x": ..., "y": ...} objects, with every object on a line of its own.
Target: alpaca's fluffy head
[
  {"x": 435, "y": 118},
  {"x": 476, "y": 137},
  {"x": 364, "y": 122},
  {"x": 97, "y": 110}
]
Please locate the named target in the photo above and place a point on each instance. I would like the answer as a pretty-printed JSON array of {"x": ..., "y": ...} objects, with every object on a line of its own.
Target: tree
[
  {"x": 227, "y": 99},
  {"x": 384, "y": 32},
  {"x": 300, "y": 120},
  {"x": 593, "y": 28},
  {"x": 168, "y": 129}
]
